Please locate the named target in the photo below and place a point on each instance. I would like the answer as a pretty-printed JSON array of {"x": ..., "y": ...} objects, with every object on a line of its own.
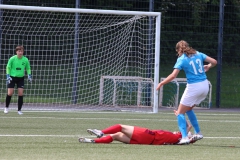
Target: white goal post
[
  {"x": 129, "y": 85},
  {"x": 71, "y": 49},
  {"x": 171, "y": 93}
]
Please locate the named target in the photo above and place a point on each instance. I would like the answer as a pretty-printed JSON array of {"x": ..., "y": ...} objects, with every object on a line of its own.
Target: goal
[
  {"x": 71, "y": 49},
  {"x": 170, "y": 94},
  {"x": 126, "y": 91}
]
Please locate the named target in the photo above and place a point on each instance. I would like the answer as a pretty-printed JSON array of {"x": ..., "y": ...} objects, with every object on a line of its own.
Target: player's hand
[
  {"x": 159, "y": 86},
  {"x": 206, "y": 68},
  {"x": 30, "y": 78},
  {"x": 175, "y": 112},
  {"x": 9, "y": 79}
]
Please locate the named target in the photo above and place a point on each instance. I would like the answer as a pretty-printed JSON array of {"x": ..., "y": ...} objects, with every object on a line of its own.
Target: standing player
[
  {"x": 134, "y": 135},
  {"x": 192, "y": 62},
  {"x": 15, "y": 75}
]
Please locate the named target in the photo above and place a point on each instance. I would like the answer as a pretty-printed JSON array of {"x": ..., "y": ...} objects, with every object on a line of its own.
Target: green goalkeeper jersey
[{"x": 16, "y": 66}]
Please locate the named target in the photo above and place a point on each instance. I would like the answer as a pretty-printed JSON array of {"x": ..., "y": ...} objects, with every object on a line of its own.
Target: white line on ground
[
  {"x": 33, "y": 135},
  {"x": 222, "y": 137},
  {"x": 8, "y": 135},
  {"x": 165, "y": 120}
]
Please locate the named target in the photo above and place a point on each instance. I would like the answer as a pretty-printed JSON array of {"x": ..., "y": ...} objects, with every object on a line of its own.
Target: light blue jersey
[{"x": 192, "y": 66}]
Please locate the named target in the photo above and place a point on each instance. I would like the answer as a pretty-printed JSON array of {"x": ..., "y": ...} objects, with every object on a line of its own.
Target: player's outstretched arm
[{"x": 169, "y": 78}]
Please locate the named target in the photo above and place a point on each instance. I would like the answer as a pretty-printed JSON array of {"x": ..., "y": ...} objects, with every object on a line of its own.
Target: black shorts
[{"x": 16, "y": 80}]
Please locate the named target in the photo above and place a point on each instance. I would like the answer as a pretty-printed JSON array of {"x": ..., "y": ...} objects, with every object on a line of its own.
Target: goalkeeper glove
[
  {"x": 9, "y": 79},
  {"x": 30, "y": 78}
]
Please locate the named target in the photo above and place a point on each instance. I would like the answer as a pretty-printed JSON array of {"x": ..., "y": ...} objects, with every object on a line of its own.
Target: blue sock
[
  {"x": 182, "y": 125},
  {"x": 193, "y": 119}
]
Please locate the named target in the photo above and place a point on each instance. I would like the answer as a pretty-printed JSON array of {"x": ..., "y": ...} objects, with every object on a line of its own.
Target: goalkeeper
[
  {"x": 135, "y": 135},
  {"x": 15, "y": 75}
]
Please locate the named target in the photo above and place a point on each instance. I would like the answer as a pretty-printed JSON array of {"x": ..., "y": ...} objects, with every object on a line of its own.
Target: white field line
[
  {"x": 21, "y": 135},
  {"x": 69, "y": 136},
  {"x": 237, "y": 113},
  {"x": 212, "y": 114},
  {"x": 110, "y": 112},
  {"x": 35, "y": 135},
  {"x": 164, "y": 120},
  {"x": 86, "y": 118}
]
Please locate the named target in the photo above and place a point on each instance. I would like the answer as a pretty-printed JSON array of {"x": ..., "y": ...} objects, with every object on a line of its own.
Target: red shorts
[{"x": 142, "y": 136}]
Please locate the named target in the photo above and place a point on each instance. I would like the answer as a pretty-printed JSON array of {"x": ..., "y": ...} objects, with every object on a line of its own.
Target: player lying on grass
[{"x": 135, "y": 135}]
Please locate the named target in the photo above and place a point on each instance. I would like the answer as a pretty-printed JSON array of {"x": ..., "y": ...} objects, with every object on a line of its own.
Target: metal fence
[{"x": 194, "y": 21}]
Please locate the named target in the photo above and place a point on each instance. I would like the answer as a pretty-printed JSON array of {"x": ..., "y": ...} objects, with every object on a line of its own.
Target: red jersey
[
  {"x": 166, "y": 137},
  {"x": 154, "y": 137}
]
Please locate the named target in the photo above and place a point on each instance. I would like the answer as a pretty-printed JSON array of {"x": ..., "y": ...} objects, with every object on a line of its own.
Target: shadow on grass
[{"x": 224, "y": 146}]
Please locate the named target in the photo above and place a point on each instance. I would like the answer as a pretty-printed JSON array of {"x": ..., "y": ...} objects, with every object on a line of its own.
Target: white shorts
[{"x": 195, "y": 93}]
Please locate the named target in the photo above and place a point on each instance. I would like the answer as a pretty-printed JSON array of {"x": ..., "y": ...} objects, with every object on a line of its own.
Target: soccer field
[{"x": 54, "y": 135}]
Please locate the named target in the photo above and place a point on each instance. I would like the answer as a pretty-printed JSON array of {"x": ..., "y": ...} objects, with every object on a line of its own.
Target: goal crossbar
[{"x": 76, "y": 10}]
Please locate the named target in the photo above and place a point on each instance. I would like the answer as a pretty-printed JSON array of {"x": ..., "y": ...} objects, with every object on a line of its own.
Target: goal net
[
  {"x": 126, "y": 92},
  {"x": 170, "y": 94},
  {"x": 71, "y": 49}
]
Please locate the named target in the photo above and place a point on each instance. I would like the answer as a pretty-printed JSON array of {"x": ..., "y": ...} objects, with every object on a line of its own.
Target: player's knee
[{"x": 10, "y": 94}]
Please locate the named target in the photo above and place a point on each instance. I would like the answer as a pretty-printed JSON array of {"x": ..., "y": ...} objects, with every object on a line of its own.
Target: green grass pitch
[{"x": 38, "y": 135}]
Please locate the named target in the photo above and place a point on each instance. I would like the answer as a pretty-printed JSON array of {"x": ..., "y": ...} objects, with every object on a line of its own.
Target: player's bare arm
[
  {"x": 212, "y": 62},
  {"x": 168, "y": 79}
]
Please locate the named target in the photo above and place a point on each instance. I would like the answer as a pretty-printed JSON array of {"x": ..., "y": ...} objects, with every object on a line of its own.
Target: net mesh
[{"x": 69, "y": 53}]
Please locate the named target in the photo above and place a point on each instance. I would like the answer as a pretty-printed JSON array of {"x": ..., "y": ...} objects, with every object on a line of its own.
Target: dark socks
[
  {"x": 20, "y": 102},
  {"x": 8, "y": 100}
]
